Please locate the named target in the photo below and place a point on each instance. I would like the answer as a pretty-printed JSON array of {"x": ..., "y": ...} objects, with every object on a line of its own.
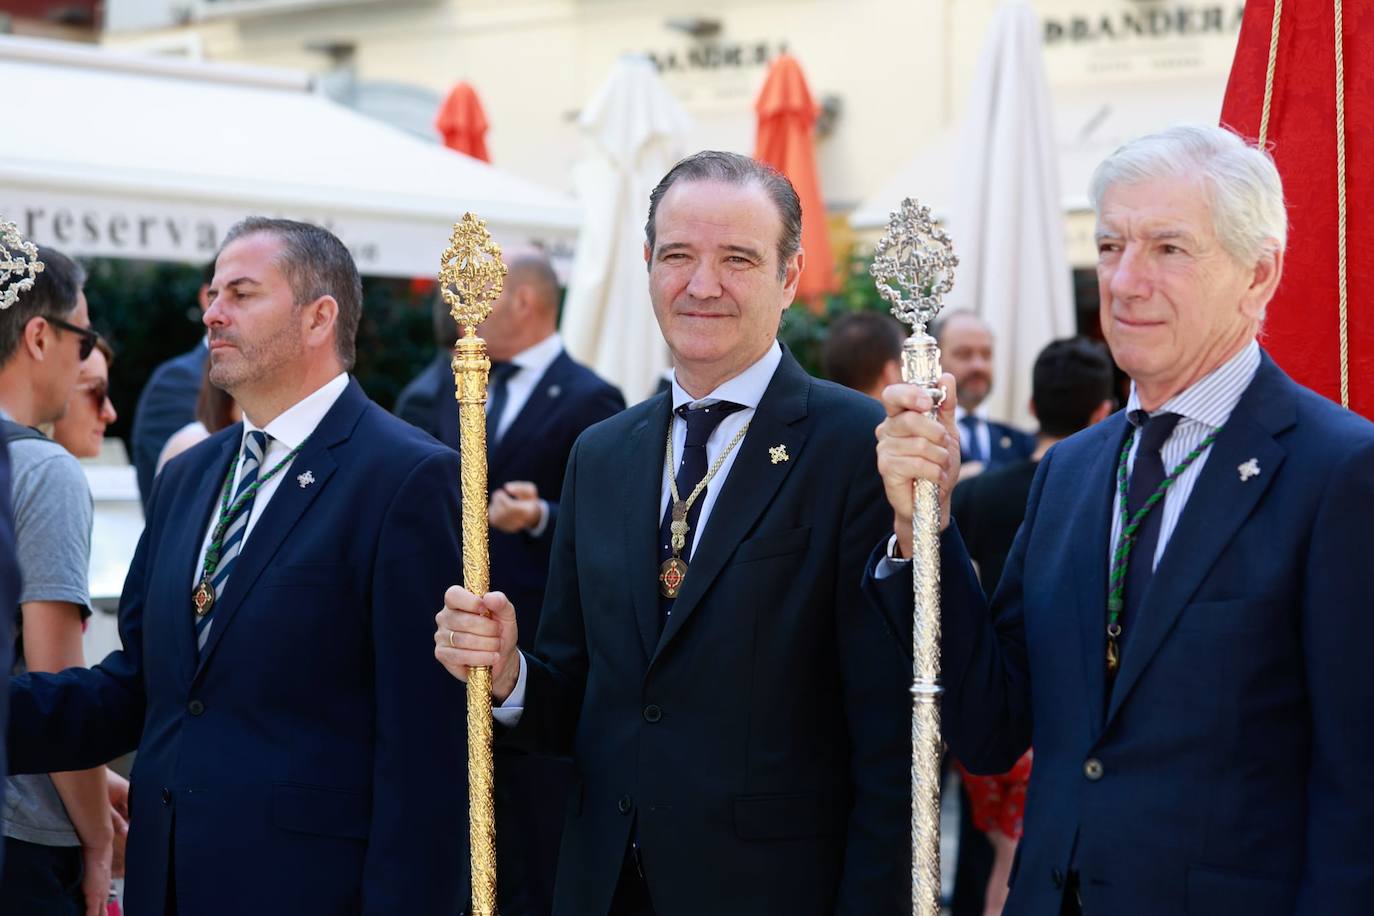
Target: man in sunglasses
[{"x": 57, "y": 828}]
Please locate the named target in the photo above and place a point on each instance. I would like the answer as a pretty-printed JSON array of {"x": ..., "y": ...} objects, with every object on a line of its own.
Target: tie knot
[
  {"x": 702, "y": 421},
  {"x": 255, "y": 444},
  {"x": 1154, "y": 430},
  {"x": 501, "y": 372}
]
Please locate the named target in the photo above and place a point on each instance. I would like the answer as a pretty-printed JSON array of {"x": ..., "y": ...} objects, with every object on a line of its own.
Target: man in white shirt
[
  {"x": 966, "y": 353},
  {"x": 288, "y": 726},
  {"x": 737, "y": 720}
]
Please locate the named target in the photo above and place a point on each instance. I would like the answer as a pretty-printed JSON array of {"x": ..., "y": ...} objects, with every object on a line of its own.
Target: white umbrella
[
  {"x": 1006, "y": 219},
  {"x": 635, "y": 131}
]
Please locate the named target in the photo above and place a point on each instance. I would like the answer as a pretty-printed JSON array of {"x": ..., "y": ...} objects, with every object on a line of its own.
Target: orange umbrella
[
  {"x": 786, "y": 141},
  {"x": 462, "y": 123}
]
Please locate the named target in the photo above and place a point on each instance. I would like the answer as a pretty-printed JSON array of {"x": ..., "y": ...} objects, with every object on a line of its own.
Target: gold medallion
[
  {"x": 671, "y": 576},
  {"x": 203, "y": 597}
]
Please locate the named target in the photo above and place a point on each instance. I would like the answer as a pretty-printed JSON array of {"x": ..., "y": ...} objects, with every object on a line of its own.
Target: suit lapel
[
  {"x": 1094, "y": 509},
  {"x": 642, "y": 487},
  {"x": 754, "y": 479},
  {"x": 288, "y": 504},
  {"x": 538, "y": 408},
  {"x": 203, "y": 506},
  {"x": 1219, "y": 504}
]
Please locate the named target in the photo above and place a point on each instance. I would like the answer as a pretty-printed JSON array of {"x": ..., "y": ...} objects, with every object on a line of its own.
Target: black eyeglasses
[{"x": 88, "y": 336}]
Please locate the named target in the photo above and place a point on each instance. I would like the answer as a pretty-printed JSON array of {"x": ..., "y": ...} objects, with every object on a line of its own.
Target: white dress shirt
[
  {"x": 292, "y": 427},
  {"x": 745, "y": 389},
  {"x": 531, "y": 364}
]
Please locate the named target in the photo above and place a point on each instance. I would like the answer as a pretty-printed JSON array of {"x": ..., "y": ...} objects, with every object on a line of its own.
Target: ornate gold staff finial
[
  {"x": 913, "y": 267},
  {"x": 471, "y": 278},
  {"x": 472, "y": 274},
  {"x": 19, "y": 264}
]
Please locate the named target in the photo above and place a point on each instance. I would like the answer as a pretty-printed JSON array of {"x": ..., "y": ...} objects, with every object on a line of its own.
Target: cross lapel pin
[
  {"x": 305, "y": 479},
  {"x": 1248, "y": 469}
]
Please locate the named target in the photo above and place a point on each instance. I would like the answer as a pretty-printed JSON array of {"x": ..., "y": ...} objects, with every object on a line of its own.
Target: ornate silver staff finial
[
  {"x": 19, "y": 264},
  {"x": 913, "y": 265}
]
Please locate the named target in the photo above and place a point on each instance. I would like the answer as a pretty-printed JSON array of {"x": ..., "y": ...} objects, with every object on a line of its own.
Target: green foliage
[
  {"x": 149, "y": 313},
  {"x": 803, "y": 331}
]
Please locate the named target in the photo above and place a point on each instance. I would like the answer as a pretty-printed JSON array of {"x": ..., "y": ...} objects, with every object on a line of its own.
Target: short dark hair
[
  {"x": 1071, "y": 378},
  {"x": 732, "y": 168},
  {"x": 857, "y": 347},
  {"x": 942, "y": 323},
  {"x": 315, "y": 264},
  {"x": 54, "y": 292}
]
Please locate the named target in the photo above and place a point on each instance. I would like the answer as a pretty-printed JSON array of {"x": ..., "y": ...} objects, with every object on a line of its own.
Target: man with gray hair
[
  {"x": 1177, "y": 629},
  {"x": 274, "y": 674}
]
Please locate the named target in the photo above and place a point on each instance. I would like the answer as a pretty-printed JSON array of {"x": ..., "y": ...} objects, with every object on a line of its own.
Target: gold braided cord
[
  {"x": 1340, "y": 207},
  {"x": 1269, "y": 72}
]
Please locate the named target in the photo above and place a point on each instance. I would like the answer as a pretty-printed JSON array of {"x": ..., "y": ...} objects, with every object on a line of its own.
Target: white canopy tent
[{"x": 115, "y": 155}]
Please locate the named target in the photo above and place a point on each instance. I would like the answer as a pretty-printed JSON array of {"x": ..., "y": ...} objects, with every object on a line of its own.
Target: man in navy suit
[
  {"x": 167, "y": 403},
  {"x": 540, "y": 402},
  {"x": 738, "y": 719},
  {"x": 966, "y": 353},
  {"x": 1177, "y": 630},
  {"x": 289, "y": 722}
]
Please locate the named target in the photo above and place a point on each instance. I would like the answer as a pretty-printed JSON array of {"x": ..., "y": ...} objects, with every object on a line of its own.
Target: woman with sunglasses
[{"x": 90, "y": 411}]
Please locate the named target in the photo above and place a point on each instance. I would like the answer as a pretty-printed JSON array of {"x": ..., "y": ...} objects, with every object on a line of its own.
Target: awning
[
  {"x": 115, "y": 155},
  {"x": 1090, "y": 123}
]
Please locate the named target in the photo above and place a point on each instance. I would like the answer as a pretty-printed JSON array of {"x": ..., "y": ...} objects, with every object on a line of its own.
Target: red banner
[{"x": 1302, "y": 331}]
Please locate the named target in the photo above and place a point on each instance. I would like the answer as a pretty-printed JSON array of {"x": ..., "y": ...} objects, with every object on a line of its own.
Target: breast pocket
[
  {"x": 328, "y": 576},
  {"x": 773, "y": 544}
]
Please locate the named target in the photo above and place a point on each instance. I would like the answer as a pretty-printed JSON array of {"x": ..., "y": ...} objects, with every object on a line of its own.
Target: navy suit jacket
[
  {"x": 313, "y": 759},
  {"x": 1007, "y": 444},
  {"x": 567, "y": 399},
  {"x": 1227, "y": 772},
  {"x": 166, "y": 404},
  {"x": 9, "y": 601},
  {"x": 761, "y": 742}
]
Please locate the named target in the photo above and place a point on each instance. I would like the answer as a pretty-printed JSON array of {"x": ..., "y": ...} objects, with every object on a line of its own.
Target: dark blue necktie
[
  {"x": 254, "y": 448},
  {"x": 701, "y": 422},
  {"x": 499, "y": 393},
  {"x": 973, "y": 448},
  {"x": 1146, "y": 476}
]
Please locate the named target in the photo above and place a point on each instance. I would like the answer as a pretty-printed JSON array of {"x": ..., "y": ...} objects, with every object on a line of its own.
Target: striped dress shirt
[{"x": 1203, "y": 408}]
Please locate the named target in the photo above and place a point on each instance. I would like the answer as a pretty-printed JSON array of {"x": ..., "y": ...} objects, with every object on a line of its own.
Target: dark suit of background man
[
  {"x": 288, "y": 740},
  {"x": 1071, "y": 389},
  {"x": 167, "y": 403},
  {"x": 742, "y": 748},
  {"x": 966, "y": 353},
  {"x": 1223, "y": 767},
  {"x": 863, "y": 351},
  {"x": 540, "y": 402}
]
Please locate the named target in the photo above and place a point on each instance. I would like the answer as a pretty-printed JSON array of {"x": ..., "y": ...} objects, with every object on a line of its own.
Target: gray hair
[
  {"x": 732, "y": 168},
  {"x": 315, "y": 263},
  {"x": 1244, "y": 192}
]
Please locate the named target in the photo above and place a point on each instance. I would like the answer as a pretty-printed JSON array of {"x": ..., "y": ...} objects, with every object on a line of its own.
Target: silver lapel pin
[
  {"x": 555, "y": 390},
  {"x": 305, "y": 479},
  {"x": 1249, "y": 469}
]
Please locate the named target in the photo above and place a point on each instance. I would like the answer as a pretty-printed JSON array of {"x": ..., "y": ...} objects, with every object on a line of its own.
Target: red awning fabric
[
  {"x": 787, "y": 141},
  {"x": 462, "y": 122},
  {"x": 1303, "y": 324}
]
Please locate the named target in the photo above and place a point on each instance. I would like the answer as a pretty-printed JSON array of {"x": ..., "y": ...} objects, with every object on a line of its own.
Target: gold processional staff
[
  {"x": 471, "y": 277},
  {"x": 913, "y": 267}
]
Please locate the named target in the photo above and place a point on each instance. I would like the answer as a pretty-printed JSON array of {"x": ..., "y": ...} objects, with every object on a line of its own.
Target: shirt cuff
[
  {"x": 509, "y": 712},
  {"x": 538, "y": 529},
  {"x": 889, "y": 565}
]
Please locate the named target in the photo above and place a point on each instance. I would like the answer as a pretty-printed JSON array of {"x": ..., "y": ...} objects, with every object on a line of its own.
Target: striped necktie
[{"x": 254, "y": 448}]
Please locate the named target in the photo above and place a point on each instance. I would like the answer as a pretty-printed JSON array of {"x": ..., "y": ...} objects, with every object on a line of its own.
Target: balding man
[
  {"x": 539, "y": 402},
  {"x": 966, "y": 353},
  {"x": 1179, "y": 625}
]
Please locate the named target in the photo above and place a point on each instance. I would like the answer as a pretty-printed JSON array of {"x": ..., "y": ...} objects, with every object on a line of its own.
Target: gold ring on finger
[{"x": 450, "y": 640}]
